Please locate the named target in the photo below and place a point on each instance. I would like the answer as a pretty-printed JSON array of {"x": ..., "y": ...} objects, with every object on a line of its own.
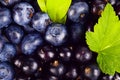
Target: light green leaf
[
  {"x": 63, "y": 20},
  {"x": 57, "y": 9},
  {"x": 109, "y": 63},
  {"x": 105, "y": 40},
  {"x": 42, "y": 4}
]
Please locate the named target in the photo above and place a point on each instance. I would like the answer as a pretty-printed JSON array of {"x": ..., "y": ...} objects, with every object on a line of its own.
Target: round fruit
[{"x": 56, "y": 34}]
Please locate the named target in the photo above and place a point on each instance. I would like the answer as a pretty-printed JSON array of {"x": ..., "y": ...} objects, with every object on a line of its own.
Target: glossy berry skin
[
  {"x": 112, "y": 2},
  {"x": 92, "y": 72},
  {"x": 116, "y": 76},
  {"x": 9, "y": 2},
  {"x": 5, "y": 17},
  {"x": 56, "y": 34},
  {"x": 53, "y": 78},
  {"x": 14, "y": 33},
  {"x": 117, "y": 9},
  {"x": 47, "y": 53},
  {"x": 40, "y": 21},
  {"x": 71, "y": 73},
  {"x": 108, "y": 77},
  {"x": 22, "y": 77},
  {"x": 8, "y": 52},
  {"x": 76, "y": 32},
  {"x": 29, "y": 66},
  {"x": 65, "y": 53},
  {"x": 57, "y": 68},
  {"x": 31, "y": 42},
  {"x": 6, "y": 71},
  {"x": 18, "y": 61},
  {"x": 78, "y": 12},
  {"x": 83, "y": 54},
  {"x": 22, "y": 13},
  {"x": 97, "y": 7}
]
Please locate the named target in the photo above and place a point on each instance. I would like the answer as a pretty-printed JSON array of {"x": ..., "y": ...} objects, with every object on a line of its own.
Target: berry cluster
[{"x": 32, "y": 47}]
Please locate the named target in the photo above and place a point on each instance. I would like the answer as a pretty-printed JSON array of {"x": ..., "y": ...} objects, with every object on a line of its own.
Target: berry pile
[{"x": 32, "y": 47}]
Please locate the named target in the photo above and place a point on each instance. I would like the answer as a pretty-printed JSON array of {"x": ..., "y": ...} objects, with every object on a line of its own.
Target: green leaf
[
  {"x": 42, "y": 4},
  {"x": 63, "y": 20},
  {"x": 105, "y": 40},
  {"x": 57, "y": 9}
]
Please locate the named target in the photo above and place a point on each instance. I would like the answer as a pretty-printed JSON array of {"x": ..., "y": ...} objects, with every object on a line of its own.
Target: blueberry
[
  {"x": 40, "y": 21},
  {"x": 14, "y": 33},
  {"x": 28, "y": 28},
  {"x": 56, "y": 34},
  {"x": 5, "y": 17},
  {"x": 22, "y": 13},
  {"x": 31, "y": 42},
  {"x": 6, "y": 71},
  {"x": 76, "y": 32},
  {"x": 78, "y": 12},
  {"x": 8, "y": 52},
  {"x": 9, "y": 2}
]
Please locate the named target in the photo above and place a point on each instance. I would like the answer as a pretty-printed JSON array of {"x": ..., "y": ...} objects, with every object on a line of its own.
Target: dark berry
[
  {"x": 113, "y": 2},
  {"x": 77, "y": 32},
  {"x": 6, "y": 71},
  {"x": 47, "y": 53},
  {"x": 40, "y": 21},
  {"x": 5, "y": 17},
  {"x": 26, "y": 64},
  {"x": 57, "y": 68},
  {"x": 78, "y": 12},
  {"x": 97, "y": 7},
  {"x": 31, "y": 42},
  {"x": 92, "y": 72},
  {"x": 83, "y": 54},
  {"x": 65, "y": 53},
  {"x": 72, "y": 73},
  {"x": 19, "y": 60},
  {"x": 117, "y": 9},
  {"x": 116, "y": 76},
  {"x": 22, "y": 13},
  {"x": 29, "y": 66},
  {"x": 107, "y": 77},
  {"x": 39, "y": 72},
  {"x": 22, "y": 76},
  {"x": 53, "y": 78},
  {"x": 56, "y": 34},
  {"x": 14, "y": 33}
]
